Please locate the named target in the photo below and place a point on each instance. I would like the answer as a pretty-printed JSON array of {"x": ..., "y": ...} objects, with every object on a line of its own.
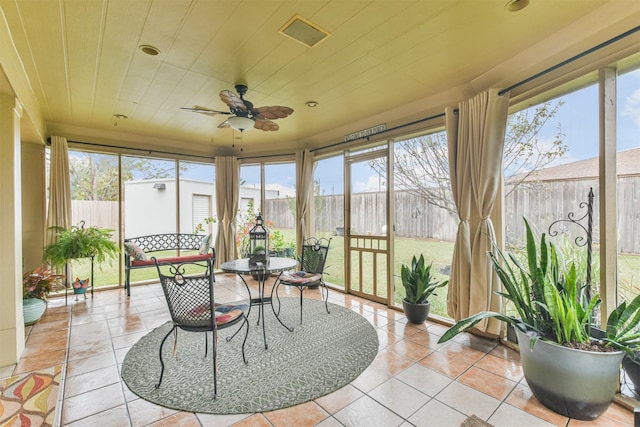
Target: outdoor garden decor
[
  {"x": 258, "y": 242},
  {"x": 419, "y": 284},
  {"x": 571, "y": 367},
  {"x": 80, "y": 287},
  {"x": 36, "y": 286}
]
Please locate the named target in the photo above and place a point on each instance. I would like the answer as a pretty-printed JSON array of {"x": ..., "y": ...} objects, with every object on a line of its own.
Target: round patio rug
[{"x": 322, "y": 355}]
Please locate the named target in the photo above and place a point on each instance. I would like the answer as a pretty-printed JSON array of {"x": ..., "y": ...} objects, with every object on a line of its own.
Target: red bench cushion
[{"x": 173, "y": 260}]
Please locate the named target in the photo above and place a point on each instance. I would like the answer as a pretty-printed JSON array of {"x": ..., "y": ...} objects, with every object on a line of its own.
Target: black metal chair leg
[
  {"x": 215, "y": 366},
  {"x": 301, "y": 289},
  {"x": 160, "y": 353},
  {"x": 326, "y": 298},
  {"x": 246, "y": 335}
]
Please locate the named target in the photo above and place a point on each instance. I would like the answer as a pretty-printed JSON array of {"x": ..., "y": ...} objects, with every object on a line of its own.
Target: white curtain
[
  {"x": 227, "y": 195},
  {"x": 304, "y": 196},
  {"x": 476, "y": 143},
  {"x": 59, "y": 210}
]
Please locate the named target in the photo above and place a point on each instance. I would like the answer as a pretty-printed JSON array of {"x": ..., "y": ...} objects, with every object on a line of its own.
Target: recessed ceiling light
[
  {"x": 149, "y": 50},
  {"x": 516, "y": 5},
  {"x": 311, "y": 104}
]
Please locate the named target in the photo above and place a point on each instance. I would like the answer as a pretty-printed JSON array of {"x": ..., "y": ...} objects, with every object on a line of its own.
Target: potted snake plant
[
  {"x": 571, "y": 367},
  {"x": 419, "y": 284}
]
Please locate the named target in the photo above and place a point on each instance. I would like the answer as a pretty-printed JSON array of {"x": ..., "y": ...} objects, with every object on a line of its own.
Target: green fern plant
[{"x": 80, "y": 242}]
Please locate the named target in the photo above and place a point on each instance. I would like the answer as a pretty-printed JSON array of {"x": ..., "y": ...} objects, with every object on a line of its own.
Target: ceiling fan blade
[
  {"x": 203, "y": 110},
  {"x": 224, "y": 124},
  {"x": 232, "y": 100},
  {"x": 266, "y": 125},
  {"x": 272, "y": 112}
]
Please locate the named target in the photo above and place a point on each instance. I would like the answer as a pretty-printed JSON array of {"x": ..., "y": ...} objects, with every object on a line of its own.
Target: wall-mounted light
[{"x": 160, "y": 186}]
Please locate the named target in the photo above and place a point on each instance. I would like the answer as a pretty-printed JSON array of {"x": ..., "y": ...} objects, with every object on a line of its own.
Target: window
[
  {"x": 280, "y": 206},
  {"x": 197, "y": 207},
  {"x": 328, "y": 190},
  {"x": 628, "y": 182},
  {"x": 149, "y": 199},
  {"x": 425, "y": 214},
  {"x": 94, "y": 200}
]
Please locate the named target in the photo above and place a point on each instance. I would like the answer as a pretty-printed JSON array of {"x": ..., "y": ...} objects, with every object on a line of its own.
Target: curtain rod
[
  {"x": 437, "y": 116},
  {"x": 570, "y": 60},
  {"x": 93, "y": 144}
]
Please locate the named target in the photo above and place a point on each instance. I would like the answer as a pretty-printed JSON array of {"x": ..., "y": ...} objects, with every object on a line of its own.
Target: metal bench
[{"x": 139, "y": 250}]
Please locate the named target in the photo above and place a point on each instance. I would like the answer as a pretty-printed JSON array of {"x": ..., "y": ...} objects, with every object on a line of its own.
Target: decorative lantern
[{"x": 258, "y": 242}]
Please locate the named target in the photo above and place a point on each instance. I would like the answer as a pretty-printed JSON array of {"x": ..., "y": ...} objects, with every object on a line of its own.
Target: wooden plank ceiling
[{"x": 382, "y": 60}]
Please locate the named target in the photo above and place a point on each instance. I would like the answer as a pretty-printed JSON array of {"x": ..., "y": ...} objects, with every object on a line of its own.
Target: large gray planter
[
  {"x": 632, "y": 369},
  {"x": 575, "y": 383},
  {"x": 416, "y": 313}
]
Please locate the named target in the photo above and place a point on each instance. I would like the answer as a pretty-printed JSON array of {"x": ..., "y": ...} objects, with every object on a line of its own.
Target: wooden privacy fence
[
  {"x": 544, "y": 202},
  {"x": 540, "y": 202},
  {"x": 102, "y": 214}
]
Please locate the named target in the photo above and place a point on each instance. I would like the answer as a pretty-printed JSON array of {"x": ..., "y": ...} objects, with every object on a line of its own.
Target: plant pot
[
  {"x": 574, "y": 383},
  {"x": 511, "y": 333},
  {"x": 339, "y": 231},
  {"x": 416, "y": 313},
  {"x": 632, "y": 370},
  {"x": 32, "y": 310}
]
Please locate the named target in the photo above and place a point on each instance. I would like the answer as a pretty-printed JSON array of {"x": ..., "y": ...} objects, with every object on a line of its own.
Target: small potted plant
[
  {"x": 290, "y": 249},
  {"x": 276, "y": 243},
  {"x": 36, "y": 287},
  {"x": 419, "y": 284}
]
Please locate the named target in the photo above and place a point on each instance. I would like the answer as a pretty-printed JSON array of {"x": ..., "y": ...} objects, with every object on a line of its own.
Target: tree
[
  {"x": 422, "y": 164},
  {"x": 95, "y": 176},
  {"x": 318, "y": 200}
]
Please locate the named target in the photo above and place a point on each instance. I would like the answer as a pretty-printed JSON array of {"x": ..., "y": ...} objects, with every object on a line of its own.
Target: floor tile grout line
[
  {"x": 63, "y": 372},
  {"x": 119, "y": 369}
]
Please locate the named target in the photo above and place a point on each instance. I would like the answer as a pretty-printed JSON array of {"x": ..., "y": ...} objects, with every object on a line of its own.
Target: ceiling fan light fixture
[{"x": 241, "y": 123}]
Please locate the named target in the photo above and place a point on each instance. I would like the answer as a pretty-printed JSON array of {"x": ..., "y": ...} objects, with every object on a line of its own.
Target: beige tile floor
[{"x": 414, "y": 381}]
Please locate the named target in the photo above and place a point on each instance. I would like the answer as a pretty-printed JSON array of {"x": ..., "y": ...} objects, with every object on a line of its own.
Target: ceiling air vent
[{"x": 303, "y": 31}]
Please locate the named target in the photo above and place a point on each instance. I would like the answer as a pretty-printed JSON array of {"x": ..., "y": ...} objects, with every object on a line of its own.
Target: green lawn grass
[{"x": 438, "y": 252}]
